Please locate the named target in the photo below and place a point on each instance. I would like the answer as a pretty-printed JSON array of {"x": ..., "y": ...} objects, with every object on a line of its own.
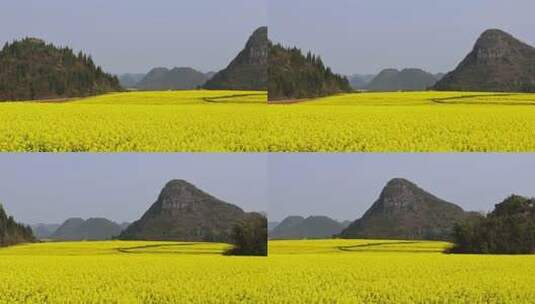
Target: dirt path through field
[{"x": 288, "y": 101}]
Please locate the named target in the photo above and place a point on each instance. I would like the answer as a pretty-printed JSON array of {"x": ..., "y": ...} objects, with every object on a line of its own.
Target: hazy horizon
[
  {"x": 365, "y": 37},
  {"x": 136, "y": 36},
  {"x": 343, "y": 186},
  {"x": 49, "y": 188}
]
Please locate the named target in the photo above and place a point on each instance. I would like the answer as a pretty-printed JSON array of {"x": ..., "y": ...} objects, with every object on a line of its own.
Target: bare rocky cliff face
[
  {"x": 183, "y": 212},
  {"x": 498, "y": 63},
  {"x": 256, "y": 48},
  {"x": 248, "y": 71},
  {"x": 405, "y": 211}
]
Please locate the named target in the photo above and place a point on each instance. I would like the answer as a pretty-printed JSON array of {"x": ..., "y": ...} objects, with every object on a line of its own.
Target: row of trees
[
  {"x": 32, "y": 69},
  {"x": 11, "y": 232},
  {"x": 293, "y": 75},
  {"x": 509, "y": 229}
]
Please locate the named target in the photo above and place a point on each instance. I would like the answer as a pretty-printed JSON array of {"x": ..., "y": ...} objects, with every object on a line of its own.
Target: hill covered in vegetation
[
  {"x": 11, "y": 232},
  {"x": 293, "y": 75},
  {"x": 33, "y": 69}
]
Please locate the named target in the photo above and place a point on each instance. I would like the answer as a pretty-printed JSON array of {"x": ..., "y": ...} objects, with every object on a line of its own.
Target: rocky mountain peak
[
  {"x": 405, "y": 211},
  {"x": 257, "y": 46},
  {"x": 399, "y": 193},
  {"x": 180, "y": 194},
  {"x": 184, "y": 212},
  {"x": 248, "y": 71},
  {"x": 498, "y": 62},
  {"x": 496, "y": 44}
]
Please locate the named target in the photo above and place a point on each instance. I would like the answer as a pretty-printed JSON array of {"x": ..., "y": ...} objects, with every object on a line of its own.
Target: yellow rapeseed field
[
  {"x": 397, "y": 272},
  {"x": 309, "y": 271},
  {"x": 138, "y": 121},
  {"x": 242, "y": 121},
  {"x": 129, "y": 272},
  {"x": 406, "y": 122}
]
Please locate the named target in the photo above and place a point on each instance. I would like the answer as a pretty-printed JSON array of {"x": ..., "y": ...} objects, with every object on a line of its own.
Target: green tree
[{"x": 249, "y": 236}]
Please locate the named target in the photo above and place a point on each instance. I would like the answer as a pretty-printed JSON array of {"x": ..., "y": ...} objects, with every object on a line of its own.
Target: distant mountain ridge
[
  {"x": 179, "y": 78},
  {"x": 11, "y": 232},
  {"x": 405, "y": 211},
  {"x": 183, "y": 212},
  {"x": 130, "y": 80},
  {"x": 312, "y": 227},
  {"x": 32, "y": 69},
  {"x": 248, "y": 71},
  {"x": 44, "y": 231},
  {"x": 410, "y": 79},
  {"x": 498, "y": 62},
  {"x": 360, "y": 81},
  {"x": 272, "y": 225},
  {"x": 75, "y": 229}
]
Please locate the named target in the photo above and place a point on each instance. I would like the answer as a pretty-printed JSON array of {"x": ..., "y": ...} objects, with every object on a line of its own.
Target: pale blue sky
[
  {"x": 344, "y": 185},
  {"x": 137, "y": 35},
  {"x": 50, "y": 187},
  {"x": 365, "y": 36}
]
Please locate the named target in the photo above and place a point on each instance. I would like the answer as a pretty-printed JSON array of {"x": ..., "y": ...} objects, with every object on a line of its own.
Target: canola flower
[
  {"x": 137, "y": 121},
  {"x": 308, "y": 271},
  {"x": 406, "y": 122},
  {"x": 357, "y": 271},
  {"x": 128, "y": 272},
  {"x": 242, "y": 121}
]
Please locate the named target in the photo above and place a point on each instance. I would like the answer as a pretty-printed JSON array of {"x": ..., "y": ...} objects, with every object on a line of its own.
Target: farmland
[
  {"x": 137, "y": 121},
  {"x": 309, "y": 271},
  {"x": 242, "y": 121},
  {"x": 379, "y": 271},
  {"x": 128, "y": 272},
  {"x": 406, "y": 122}
]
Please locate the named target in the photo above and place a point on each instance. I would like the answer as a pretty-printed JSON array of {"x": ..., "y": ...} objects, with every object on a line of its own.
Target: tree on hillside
[
  {"x": 11, "y": 232},
  {"x": 509, "y": 229},
  {"x": 293, "y": 75},
  {"x": 32, "y": 69}
]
